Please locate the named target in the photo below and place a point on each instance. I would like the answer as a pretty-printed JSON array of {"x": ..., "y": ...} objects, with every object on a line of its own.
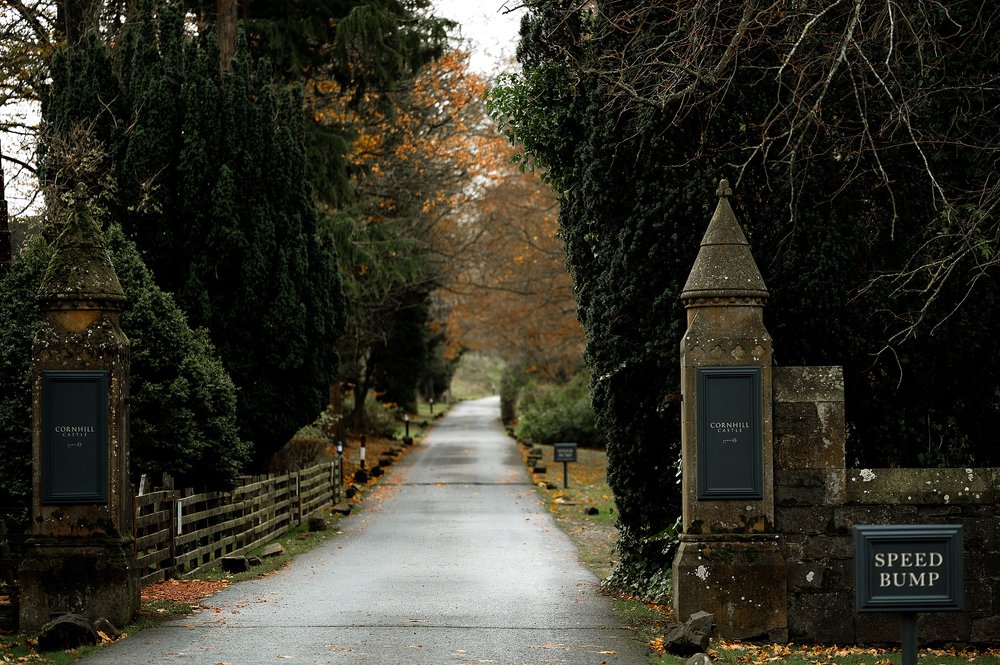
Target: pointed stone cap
[
  {"x": 724, "y": 272},
  {"x": 80, "y": 273}
]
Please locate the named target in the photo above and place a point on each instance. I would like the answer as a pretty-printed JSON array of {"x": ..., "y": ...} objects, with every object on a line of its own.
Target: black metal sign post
[
  {"x": 407, "y": 439},
  {"x": 908, "y": 569},
  {"x": 565, "y": 453}
]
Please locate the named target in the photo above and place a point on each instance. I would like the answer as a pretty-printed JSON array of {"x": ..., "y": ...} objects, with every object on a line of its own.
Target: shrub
[
  {"x": 515, "y": 376},
  {"x": 20, "y": 317},
  {"x": 552, "y": 413},
  {"x": 182, "y": 401},
  {"x": 379, "y": 418},
  {"x": 300, "y": 453},
  {"x": 312, "y": 444}
]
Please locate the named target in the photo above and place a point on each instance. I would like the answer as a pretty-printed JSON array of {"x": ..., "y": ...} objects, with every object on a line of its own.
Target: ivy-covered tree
[{"x": 855, "y": 141}]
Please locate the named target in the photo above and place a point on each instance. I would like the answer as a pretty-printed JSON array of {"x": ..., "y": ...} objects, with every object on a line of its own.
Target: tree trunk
[
  {"x": 5, "y": 241},
  {"x": 225, "y": 30},
  {"x": 359, "y": 420},
  {"x": 76, "y": 18},
  {"x": 337, "y": 407}
]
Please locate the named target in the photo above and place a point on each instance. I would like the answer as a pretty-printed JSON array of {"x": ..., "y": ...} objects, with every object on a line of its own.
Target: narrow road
[{"x": 452, "y": 560}]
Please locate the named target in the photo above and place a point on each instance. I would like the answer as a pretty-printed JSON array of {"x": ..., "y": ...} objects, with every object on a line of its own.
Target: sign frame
[
  {"x": 709, "y": 381},
  {"x": 55, "y": 388},
  {"x": 870, "y": 539},
  {"x": 564, "y": 452}
]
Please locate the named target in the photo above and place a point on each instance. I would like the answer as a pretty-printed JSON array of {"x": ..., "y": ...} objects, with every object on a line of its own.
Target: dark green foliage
[
  {"x": 438, "y": 368},
  {"x": 182, "y": 406},
  {"x": 211, "y": 186},
  {"x": 364, "y": 45},
  {"x": 20, "y": 318},
  {"x": 558, "y": 413},
  {"x": 400, "y": 361},
  {"x": 637, "y": 179},
  {"x": 368, "y": 42},
  {"x": 515, "y": 376},
  {"x": 83, "y": 98},
  {"x": 388, "y": 278}
]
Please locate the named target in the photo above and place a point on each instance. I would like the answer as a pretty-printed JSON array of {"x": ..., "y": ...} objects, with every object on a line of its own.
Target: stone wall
[{"x": 818, "y": 502}]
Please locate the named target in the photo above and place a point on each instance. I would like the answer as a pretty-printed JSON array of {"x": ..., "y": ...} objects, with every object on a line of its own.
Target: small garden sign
[
  {"x": 565, "y": 453},
  {"x": 908, "y": 569}
]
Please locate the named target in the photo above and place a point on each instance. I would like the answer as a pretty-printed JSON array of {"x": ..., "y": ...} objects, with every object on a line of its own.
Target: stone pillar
[
  {"x": 729, "y": 562},
  {"x": 80, "y": 554}
]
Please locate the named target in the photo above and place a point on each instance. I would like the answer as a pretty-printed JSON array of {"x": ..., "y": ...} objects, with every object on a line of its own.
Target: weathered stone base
[
  {"x": 740, "y": 580},
  {"x": 95, "y": 579}
]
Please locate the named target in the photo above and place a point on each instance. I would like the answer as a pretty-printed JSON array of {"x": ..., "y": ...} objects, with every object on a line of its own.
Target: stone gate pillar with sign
[
  {"x": 80, "y": 553},
  {"x": 729, "y": 562}
]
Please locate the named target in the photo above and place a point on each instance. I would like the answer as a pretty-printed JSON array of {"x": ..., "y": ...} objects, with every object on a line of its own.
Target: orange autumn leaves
[
  {"x": 515, "y": 298},
  {"x": 416, "y": 148},
  {"x": 428, "y": 154},
  {"x": 820, "y": 654}
]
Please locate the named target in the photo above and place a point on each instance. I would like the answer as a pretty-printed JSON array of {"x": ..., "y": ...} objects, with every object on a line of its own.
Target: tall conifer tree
[
  {"x": 209, "y": 172},
  {"x": 229, "y": 226}
]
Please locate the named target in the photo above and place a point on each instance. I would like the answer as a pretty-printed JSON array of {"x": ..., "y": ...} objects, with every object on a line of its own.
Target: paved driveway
[{"x": 451, "y": 560}]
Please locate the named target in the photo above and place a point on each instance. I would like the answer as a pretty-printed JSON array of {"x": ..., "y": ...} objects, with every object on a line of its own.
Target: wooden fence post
[{"x": 298, "y": 497}]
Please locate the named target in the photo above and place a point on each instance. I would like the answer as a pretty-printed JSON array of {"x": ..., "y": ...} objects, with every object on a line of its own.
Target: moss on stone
[
  {"x": 81, "y": 269},
  {"x": 919, "y": 486}
]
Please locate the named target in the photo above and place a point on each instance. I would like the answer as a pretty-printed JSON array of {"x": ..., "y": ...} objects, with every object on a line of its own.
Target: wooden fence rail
[{"x": 178, "y": 535}]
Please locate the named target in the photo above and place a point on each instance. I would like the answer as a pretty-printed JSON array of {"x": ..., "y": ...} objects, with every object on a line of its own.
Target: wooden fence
[{"x": 178, "y": 534}]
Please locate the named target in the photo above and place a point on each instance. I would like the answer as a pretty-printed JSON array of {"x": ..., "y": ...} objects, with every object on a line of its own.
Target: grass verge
[{"x": 585, "y": 511}]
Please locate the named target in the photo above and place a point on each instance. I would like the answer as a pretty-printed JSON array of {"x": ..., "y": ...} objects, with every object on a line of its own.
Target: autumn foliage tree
[
  {"x": 509, "y": 292},
  {"x": 449, "y": 241},
  {"x": 416, "y": 148}
]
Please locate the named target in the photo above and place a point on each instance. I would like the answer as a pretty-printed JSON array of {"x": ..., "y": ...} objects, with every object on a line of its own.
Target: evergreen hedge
[{"x": 548, "y": 413}]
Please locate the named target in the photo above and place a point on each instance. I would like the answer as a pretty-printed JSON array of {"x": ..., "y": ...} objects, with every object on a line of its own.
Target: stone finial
[
  {"x": 725, "y": 272},
  {"x": 80, "y": 274}
]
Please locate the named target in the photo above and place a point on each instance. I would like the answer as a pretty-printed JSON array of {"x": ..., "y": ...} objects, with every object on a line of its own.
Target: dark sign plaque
[
  {"x": 564, "y": 452},
  {"x": 730, "y": 432},
  {"x": 908, "y": 568},
  {"x": 74, "y": 453}
]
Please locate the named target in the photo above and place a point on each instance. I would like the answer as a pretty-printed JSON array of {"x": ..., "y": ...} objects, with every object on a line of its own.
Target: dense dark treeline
[{"x": 857, "y": 148}]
